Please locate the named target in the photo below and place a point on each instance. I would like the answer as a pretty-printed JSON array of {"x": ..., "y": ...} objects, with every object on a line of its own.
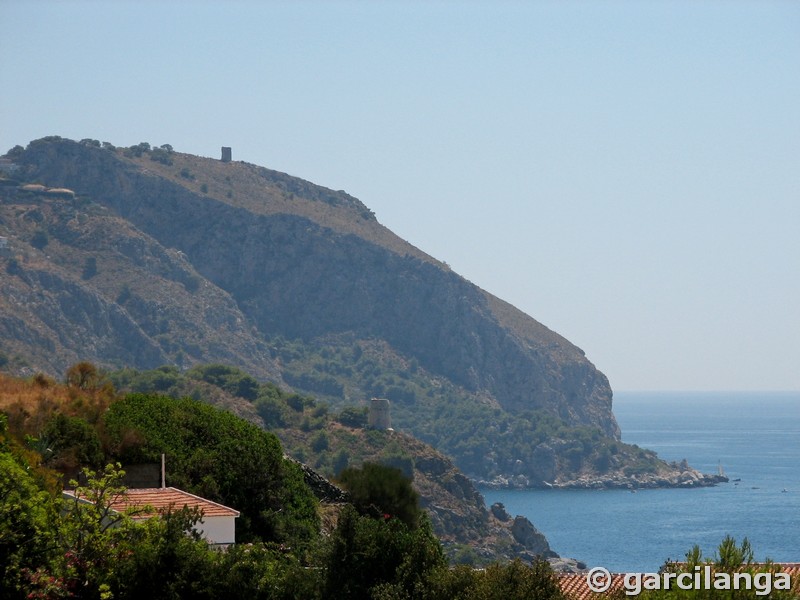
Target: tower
[{"x": 379, "y": 414}]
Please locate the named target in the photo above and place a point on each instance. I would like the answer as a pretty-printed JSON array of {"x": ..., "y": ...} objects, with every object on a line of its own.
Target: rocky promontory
[{"x": 670, "y": 475}]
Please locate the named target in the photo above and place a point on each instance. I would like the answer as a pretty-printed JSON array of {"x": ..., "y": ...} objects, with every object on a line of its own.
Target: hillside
[
  {"x": 150, "y": 257},
  {"x": 77, "y": 425}
]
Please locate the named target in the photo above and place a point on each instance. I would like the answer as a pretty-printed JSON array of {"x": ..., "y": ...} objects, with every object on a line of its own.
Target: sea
[{"x": 754, "y": 437}]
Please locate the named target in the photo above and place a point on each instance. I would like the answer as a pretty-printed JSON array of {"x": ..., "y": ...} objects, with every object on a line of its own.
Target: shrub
[
  {"x": 13, "y": 267},
  {"x": 353, "y": 417},
  {"x": 320, "y": 442},
  {"x": 161, "y": 156},
  {"x": 89, "y": 268},
  {"x": 124, "y": 294},
  {"x": 379, "y": 490},
  {"x": 40, "y": 239}
]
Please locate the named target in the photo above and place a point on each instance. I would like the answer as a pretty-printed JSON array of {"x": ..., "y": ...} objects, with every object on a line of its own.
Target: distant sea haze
[{"x": 753, "y": 436}]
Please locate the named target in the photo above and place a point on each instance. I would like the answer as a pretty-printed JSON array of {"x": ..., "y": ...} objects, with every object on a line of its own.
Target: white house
[{"x": 217, "y": 526}]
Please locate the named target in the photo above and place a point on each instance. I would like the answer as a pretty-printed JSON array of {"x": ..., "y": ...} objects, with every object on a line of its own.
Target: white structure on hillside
[{"x": 217, "y": 526}]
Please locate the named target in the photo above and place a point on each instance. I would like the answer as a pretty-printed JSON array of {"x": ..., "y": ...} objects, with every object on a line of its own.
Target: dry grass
[
  {"x": 22, "y": 399},
  {"x": 247, "y": 186},
  {"x": 30, "y": 403}
]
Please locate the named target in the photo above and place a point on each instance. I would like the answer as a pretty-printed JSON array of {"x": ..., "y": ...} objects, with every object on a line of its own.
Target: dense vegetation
[
  {"x": 382, "y": 547},
  {"x": 330, "y": 442},
  {"x": 483, "y": 441},
  {"x": 216, "y": 455}
]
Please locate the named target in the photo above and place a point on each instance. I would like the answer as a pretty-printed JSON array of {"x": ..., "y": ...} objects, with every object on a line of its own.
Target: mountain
[{"x": 144, "y": 256}]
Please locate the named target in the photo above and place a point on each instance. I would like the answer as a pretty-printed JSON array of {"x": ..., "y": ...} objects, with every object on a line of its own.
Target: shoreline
[{"x": 689, "y": 479}]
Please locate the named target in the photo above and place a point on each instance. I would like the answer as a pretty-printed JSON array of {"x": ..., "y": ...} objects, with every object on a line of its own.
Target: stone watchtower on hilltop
[
  {"x": 380, "y": 416},
  {"x": 226, "y": 154}
]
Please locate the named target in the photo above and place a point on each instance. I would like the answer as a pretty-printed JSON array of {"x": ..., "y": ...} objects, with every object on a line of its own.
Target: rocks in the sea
[{"x": 567, "y": 565}]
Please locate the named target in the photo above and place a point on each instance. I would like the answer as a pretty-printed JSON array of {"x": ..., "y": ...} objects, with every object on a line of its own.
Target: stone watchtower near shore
[{"x": 379, "y": 414}]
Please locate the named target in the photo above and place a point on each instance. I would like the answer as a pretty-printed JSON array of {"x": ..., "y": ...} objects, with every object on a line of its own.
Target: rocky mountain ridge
[
  {"x": 320, "y": 276},
  {"x": 142, "y": 257}
]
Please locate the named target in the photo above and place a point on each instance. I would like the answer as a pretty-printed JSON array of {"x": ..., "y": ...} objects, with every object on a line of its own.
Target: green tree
[
  {"x": 230, "y": 379},
  {"x": 381, "y": 490},
  {"x": 27, "y": 532},
  {"x": 265, "y": 571},
  {"x": 167, "y": 561},
  {"x": 95, "y": 537},
  {"x": 516, "y": 581},
  {"x": 72, "y": 442},
  {"x": 217, "y": 455},
  {"x": 366, "y": 555}
]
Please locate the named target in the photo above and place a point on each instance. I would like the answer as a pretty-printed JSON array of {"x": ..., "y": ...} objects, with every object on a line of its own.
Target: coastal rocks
[
  {"x": 567, "y": 565},
  {"x": 679, "y": 476},
  {"x": 531, "y": 538},
  {"x": 689, "y": 478},
  {"x": 517, "y": 536}
]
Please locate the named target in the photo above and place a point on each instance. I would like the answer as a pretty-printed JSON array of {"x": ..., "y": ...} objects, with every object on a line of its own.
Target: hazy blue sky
[{"x": 628, "y": 173}]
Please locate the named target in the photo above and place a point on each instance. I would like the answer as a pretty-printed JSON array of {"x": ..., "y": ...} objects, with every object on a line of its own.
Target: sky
[{"x": 627, "y": 173}]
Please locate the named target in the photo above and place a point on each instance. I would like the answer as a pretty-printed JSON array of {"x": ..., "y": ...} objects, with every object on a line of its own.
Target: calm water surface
[{"x": 754, "y": 436}]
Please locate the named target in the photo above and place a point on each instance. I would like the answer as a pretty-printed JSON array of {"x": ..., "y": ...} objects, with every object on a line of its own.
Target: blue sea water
[{"x": 754, "y": 436}]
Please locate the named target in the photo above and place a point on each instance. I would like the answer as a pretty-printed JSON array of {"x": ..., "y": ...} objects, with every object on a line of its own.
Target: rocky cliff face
[
  {"x": 91, "y": 287},
  {"x": 301, "y": 261}
]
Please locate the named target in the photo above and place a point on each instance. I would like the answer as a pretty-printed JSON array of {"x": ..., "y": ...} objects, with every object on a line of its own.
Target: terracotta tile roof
[
  {"x": 575, "y": 587},
  {"x": 792, "y": 569},
  {"x": 162, "y": 499}
]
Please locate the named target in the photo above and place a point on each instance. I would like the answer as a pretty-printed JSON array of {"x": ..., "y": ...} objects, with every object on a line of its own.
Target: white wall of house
[{"x": 217, "y": 530}]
